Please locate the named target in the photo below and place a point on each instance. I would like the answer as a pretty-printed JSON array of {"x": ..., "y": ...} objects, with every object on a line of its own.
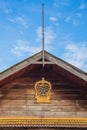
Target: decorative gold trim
[
  {"x": 43, "y": 91},
  {"x": 43, "y": 122}
]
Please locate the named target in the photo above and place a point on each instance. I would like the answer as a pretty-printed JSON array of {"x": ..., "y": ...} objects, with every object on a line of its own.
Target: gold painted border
[{"x": 43, "y": 122}]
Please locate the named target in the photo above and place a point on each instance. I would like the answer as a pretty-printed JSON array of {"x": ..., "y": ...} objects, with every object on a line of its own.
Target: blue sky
[{"x": 65, "y": 30}]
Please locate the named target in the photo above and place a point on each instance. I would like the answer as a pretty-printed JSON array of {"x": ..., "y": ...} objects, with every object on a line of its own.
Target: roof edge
[
  {"x": 63, "y": 64},
  {"x": 20, "y": 65}
]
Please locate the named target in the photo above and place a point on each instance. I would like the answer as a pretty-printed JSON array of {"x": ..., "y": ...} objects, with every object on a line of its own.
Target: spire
[{"x": 43, "y": 34}]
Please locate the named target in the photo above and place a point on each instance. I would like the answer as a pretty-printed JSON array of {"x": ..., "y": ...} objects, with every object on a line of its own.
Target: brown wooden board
[{"x": 67, "y": 99}]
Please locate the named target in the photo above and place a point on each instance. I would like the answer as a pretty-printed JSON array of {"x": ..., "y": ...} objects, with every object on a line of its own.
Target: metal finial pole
[{"x": 43, "y": 34}]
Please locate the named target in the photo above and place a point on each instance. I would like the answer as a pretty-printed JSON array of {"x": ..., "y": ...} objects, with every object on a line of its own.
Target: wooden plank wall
[{"x": 67, "y": 100}]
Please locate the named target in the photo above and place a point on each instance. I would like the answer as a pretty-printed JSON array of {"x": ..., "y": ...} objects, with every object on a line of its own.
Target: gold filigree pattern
[
  {"x": 43, "y": 91},
  {"x": 43, "y": 122}
]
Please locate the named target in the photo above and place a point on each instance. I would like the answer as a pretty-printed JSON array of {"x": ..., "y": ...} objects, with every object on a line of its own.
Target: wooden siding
[{"x": 67, "y": 99}]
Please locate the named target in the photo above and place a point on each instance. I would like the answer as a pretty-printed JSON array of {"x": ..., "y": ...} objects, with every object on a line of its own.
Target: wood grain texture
[
  {"x": 43, "y": 128},
  {"x": 67, "y": 99}
]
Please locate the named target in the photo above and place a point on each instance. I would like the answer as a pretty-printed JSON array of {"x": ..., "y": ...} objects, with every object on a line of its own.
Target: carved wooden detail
[
  {"x": 43, "y": 122},
  {"x": 43, "y": 91}
]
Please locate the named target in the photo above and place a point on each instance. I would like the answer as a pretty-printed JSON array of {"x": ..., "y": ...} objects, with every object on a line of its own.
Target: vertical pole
[{"x": 43, "y": 34}]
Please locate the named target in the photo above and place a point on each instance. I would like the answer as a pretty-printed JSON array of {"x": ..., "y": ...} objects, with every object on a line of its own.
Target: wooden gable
[{"x": 68, "y": 93}]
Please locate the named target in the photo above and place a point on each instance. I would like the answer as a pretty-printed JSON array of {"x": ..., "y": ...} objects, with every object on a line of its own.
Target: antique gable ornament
[{"x": 43, "y": 91}]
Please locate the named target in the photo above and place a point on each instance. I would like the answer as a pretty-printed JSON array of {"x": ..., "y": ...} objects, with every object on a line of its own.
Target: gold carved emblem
[{"x": 43, "y": 91}]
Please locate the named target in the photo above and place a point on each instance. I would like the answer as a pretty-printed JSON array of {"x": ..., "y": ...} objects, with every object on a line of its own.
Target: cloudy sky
[{"x": 65, "y": 30}]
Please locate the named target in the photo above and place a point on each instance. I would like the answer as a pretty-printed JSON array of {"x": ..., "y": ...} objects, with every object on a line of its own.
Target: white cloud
[
  {"x": 53, "y": 19},
  {"x": 4, "y": 7},
  {"x": 19, "y": 20},
  {"x": 65, "y": 2},
  {"x": 61, "y": 3},
  {"x": 76, "y": 22},
  {"x": 68, "y": 19},
  {"x": 76, "y": 54},
  {"x": 74, "y": 19},
  {"x": 83, "y": 6},
  {"x": 49, "y": 36},
  {"x": 22, "y": 48},
  {"x": 79, "y": 15}
]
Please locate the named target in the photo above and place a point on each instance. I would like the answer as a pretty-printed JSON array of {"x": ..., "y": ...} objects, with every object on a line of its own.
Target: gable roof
[{"x": 52, "y": 60}]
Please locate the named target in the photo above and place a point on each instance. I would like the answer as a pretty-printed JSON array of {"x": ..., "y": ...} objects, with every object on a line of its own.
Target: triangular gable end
[
  {"x": 68, "y": 99},
  {"x": 53, "y": 60}
]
